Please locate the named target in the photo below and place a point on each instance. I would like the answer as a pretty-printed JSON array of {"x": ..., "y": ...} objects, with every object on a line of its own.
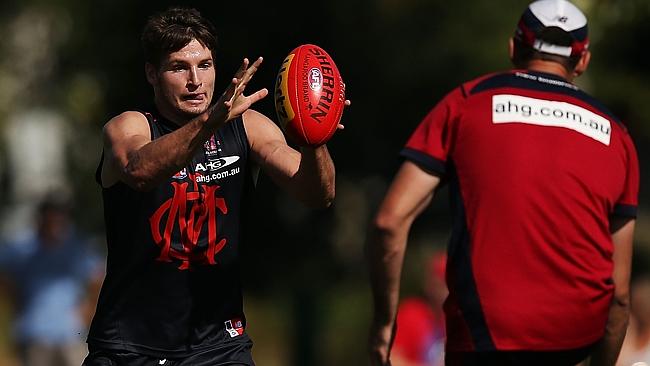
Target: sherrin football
[{"x": 309, "y": 96}]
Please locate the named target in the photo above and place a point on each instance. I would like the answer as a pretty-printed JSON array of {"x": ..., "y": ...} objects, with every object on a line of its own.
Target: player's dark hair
[
  {"x": 523, "y": 53},
  {"x": 173, "y": 29}
]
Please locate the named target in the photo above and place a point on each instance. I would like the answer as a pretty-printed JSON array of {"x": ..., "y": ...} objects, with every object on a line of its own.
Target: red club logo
[{"x": 190, "y": 211}]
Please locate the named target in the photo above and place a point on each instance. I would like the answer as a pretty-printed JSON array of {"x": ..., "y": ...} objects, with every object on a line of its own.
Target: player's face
[{"x": 184, "y": 82}]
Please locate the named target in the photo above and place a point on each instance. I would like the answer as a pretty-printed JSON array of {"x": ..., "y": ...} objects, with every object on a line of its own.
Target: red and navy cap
[{"x": 543, "y": 14}]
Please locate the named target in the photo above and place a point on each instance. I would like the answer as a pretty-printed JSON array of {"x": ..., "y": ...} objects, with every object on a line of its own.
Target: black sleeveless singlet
[{"x": 172, "y": 283}]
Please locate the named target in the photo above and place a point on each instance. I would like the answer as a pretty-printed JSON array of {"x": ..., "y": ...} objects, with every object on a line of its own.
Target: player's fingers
[
  {"x": 230, "y": 90},
  {"x": 239, "y": 90},
  {"x": 258, "y": 62},
  {"x": 348, "y": 103},
  {"x": 246, "y": 102},
  {"x": 234, "y": 91},
  {"x": 340, "y": 127},
  {"x": 248, "y": 75},
  {"x": 242, "y": 68},
  {"x": 256, "y": 65},
  {"x": 258, "y": 95}
]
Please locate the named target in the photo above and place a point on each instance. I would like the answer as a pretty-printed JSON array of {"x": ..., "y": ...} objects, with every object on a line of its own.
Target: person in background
[
  {"x": 420, "y": 333},
  {"x": 543, "y": 182},
  {"x": 51, "y": 271}
]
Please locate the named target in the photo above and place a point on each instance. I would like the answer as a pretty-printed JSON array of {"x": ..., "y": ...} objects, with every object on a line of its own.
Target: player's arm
[
  {"x": 131, "y": 156},
  {"x": 410, "y": 192},
  {"x": 308, "y": 174},
  {"x": 607, "y": 350}
]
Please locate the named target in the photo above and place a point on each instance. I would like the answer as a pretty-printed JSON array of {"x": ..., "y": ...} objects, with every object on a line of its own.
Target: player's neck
[
  {"x": 169, "y": 113},
  {"x": 550, "y": 67}
]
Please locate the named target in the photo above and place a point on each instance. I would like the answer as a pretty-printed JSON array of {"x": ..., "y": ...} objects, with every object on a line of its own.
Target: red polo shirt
[{"x": 536, "y": 169}]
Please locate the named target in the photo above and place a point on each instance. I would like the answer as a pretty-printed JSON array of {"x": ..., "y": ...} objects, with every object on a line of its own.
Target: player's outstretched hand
[{"x": 233, "y": 102}]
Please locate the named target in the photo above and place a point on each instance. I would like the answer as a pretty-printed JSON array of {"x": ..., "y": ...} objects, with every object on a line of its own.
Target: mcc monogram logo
[{"x": 189, "y": 212}]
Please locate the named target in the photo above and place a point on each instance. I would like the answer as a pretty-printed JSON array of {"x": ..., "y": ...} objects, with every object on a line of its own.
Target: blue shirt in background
[{"x": 50, "y": 283}]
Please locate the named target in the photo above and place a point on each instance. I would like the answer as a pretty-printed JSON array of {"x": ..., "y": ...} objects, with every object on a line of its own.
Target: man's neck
[
  {"x": 168, "y": 114},
  {"x": 550, "y": 67}
]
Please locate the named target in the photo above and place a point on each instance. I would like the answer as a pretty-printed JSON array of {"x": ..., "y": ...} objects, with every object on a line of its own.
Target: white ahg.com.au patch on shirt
[{"x": 508, "y": 108}]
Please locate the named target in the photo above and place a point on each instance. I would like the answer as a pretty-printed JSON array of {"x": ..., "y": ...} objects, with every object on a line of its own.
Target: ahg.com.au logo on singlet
[{"x": 189, "y": 212}]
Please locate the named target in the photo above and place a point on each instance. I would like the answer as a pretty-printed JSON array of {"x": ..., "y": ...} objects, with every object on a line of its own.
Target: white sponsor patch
[
  {"x": 216, "y": 164},
  {"x": 507, "y": 108}
]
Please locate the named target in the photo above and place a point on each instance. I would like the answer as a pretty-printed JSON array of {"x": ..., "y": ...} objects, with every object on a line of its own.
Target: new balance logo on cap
[{"x": 543, "y": 14}]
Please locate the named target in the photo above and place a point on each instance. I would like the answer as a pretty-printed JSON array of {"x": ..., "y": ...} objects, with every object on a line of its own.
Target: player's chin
[{"x": 194, "y": 109}]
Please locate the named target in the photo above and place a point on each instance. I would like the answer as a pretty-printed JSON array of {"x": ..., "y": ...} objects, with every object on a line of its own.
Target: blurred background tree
[{"x": 68, "y": 66}]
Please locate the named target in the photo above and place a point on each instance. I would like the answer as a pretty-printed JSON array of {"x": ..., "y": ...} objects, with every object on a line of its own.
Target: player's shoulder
[
  {"x": 125, "y": 124},
  {"x": 479, "y": 83},
  {"x": 260, "y": 129},
  {"x": 584, "y": 99},
  {"x": 255, "y": 121},
  {"x": 253, "y": 116},
  {"x": 602, "y": 109},
  {"x": 126, "y": 120},
  {"x": 479, "y": 79},
  {"x": 465, "y": 89}
]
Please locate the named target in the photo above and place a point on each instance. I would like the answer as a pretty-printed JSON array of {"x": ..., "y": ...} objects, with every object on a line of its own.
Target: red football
[{"x": 309, "y": 96}]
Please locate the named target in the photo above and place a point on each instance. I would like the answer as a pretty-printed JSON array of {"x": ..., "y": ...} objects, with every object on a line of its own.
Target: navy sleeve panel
[
  {"x": 427, "y": 162},
  {"x": 625, "y": 210}
]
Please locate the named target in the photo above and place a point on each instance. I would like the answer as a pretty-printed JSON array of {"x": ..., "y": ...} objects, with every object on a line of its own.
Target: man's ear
[
  {"x": 582, "y": 64},
  {"x": 151, "y": 72}
]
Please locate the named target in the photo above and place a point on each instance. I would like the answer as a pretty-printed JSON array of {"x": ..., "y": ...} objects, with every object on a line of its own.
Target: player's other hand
[
  {"x": 347, "y": 104},
  {"x": 379, "y": 343}
]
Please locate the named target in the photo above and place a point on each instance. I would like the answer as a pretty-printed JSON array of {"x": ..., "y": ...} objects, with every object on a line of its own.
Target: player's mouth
[{"x": 194, "y": 98}]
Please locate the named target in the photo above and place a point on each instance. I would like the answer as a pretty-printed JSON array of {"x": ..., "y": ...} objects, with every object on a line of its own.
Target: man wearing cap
[{"x": 543, "y": 182}]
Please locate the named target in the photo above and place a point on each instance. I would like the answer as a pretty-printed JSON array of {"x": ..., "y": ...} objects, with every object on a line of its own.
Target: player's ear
[
  {"x": 582, "y": 64},
  {"x": 150, "y": 71}
]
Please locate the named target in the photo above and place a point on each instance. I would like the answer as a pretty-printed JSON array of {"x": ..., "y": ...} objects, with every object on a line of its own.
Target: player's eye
[{"x": 177, "y": 68}]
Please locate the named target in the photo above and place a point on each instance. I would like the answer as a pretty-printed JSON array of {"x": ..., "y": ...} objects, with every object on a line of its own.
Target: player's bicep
[
  {"x": 122, "y": 136},
  {"x": 409, "y": 194}
]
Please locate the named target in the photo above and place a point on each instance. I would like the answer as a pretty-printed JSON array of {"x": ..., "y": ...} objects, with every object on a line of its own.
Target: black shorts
[
  {"x": 234, "y": 354},
  {"x": 519, "y": 358}
]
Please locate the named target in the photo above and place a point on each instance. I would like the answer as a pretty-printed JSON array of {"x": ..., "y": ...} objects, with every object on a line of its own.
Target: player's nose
[{"x": 194, "y": 79}]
